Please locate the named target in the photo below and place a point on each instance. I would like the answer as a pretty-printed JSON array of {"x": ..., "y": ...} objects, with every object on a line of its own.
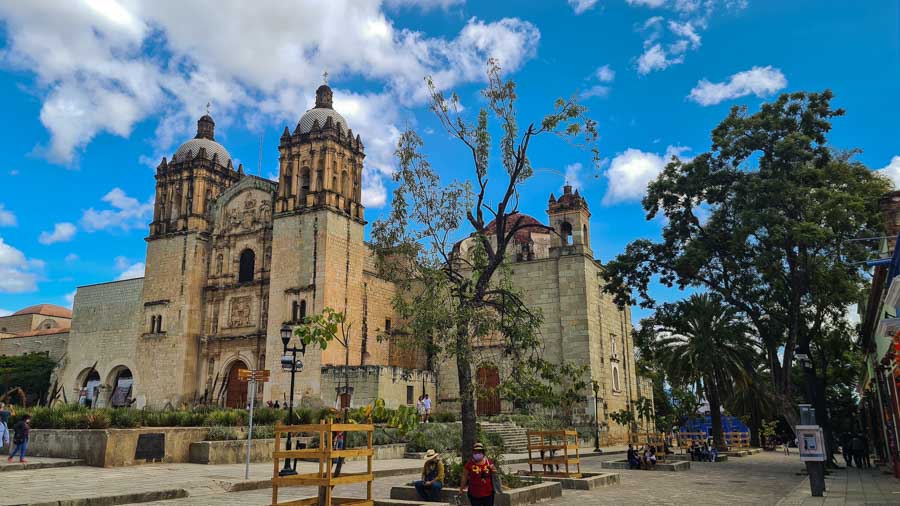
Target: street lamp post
[
  {"x": 815, "y": 470},
  {"x": 290, "y": 363},
  {"x": 596, "y": 417}
]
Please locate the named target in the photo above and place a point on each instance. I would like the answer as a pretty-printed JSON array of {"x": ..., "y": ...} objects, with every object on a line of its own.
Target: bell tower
[{"x": 570, "y": 218}]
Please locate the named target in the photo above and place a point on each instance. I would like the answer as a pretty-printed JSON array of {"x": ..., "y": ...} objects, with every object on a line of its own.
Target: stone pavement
[
  {"x": 35, "y": 463},
  {"x": 849, "y": 486},
  {"x": 765, "y": 478}
]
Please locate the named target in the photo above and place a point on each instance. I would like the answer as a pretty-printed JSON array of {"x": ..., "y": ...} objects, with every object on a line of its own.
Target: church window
[
  {"x": 159, "y": 324},
  {"x": 566, "y": 233},
  {"x": 302, "y": 310},
  {"x": 219, "y": 260},
  {"x": 288, "y": 177},
  {"x": 334, "y": 186},
  {"x": 616, "y": 379},
  {"x": 345, "y": 183},
  {"x": 304, "y": 179},
  {"x": 612, "y": 339},
  {"x": 410, "y": 394},
  {"x": 584, "y": 235},
  {"x": 295, "y": 311},
  {"x": 387, "y": 325},
  {"x": 152, "y": 324},
  {"x": 247, "y": 266}
]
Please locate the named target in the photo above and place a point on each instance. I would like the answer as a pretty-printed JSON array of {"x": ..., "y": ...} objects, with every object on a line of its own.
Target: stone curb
[
  {"x": 111, "y": 500},
  {"x": 28, "y": 466}
]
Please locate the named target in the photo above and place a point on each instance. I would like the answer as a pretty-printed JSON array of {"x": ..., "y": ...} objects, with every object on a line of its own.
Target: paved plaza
[{"x": 765, "y": 478}]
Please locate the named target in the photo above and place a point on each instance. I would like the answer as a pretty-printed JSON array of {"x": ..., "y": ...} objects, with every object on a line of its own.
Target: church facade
[{"x": 232, "y": 257}]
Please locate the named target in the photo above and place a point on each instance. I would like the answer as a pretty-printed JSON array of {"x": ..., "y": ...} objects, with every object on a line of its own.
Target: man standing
[{"x": 20, "y": 439}]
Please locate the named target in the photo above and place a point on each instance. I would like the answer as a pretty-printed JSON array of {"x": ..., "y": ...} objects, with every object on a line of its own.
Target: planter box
[
  {"x": 116, "y": 447},
  {"x": 231, "y": 452},
  {"x": 588, "y": 481},
  {"x": 683, "y": 465},
  {"x": 235, "y": 452},
  {"x": 511, "y": 497}
]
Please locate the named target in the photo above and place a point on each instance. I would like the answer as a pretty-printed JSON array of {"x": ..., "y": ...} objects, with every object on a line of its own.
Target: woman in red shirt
[{"x": 479, "y": 474}]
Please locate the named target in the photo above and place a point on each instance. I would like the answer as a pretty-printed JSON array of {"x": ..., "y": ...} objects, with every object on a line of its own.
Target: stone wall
[
  {"x": 368, "y": 383},
  {"x": 112, "y": 447},
  {"x": 54, "y": 345},
  {"x": 105, "y": 328}
]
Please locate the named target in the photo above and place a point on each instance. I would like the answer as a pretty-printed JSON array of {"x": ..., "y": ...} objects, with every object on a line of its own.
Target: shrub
[
  {"x": 125, "y": 418},
  {"x": 438, "y": 436},
  {"x": 263, "y": 432},
  {"x": 220, "y": 433},
  {"x": 226, "y": 417},
  {"x": 268, "y": 416},
  {"x": 444, "y": 417}
]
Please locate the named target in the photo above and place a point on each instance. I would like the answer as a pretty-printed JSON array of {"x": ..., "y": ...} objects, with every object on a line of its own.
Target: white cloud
[
  {"x": 631, "y": 171},
  {"x": 129, "y": 270},
  {"x": 128, "y": 213},
  {"x": 647, "y": 3},
  {"x": 759, "y": 81},
  {"x": 605, "y": 74},
  {"x": 892, "y": 171},
  {"x": 94, "y": 73},
  {"x": 655, "y": 57},
  {"x": 424, "y": 5},
  {"x": 582, "y": 6},
  {"x": 597, "y": 90},
  {"x": 374, "y": 194},
  {"x": 573, "y": 175},
  {"x": 71, "y": 257},
  {"x": 17, "y": 273},
  {"x": 62, "y": 232},
  {"x": 70, "y": 298},
  {"x": 5, "y": 312},
  {"x": 686, "y": 31},
  {"x": 7, "y": 218}
]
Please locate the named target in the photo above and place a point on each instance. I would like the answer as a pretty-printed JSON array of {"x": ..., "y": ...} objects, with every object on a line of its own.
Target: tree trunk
[
  {"x": 715, "y": 413},
  {"x": 755, "y": 423},
  {"x": 466, "y": 394}
]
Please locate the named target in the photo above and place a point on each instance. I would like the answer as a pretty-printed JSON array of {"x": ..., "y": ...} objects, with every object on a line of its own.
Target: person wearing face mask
[{"x": 478, "y": 475}]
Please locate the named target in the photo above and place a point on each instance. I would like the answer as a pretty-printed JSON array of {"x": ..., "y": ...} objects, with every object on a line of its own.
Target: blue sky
[{"x": 95, "y": 92}]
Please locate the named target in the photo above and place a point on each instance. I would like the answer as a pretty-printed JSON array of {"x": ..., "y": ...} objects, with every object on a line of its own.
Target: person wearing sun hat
[
  {"x": 478, "y": 475},
  {"x": 429, "y": 487}
]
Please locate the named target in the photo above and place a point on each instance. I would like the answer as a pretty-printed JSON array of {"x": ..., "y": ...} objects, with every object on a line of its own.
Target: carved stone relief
[{"x": 240, "y": 313}]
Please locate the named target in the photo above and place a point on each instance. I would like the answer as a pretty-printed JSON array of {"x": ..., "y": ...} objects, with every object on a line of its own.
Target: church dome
[
  {"x": 193, "y": 147},
  {"x": 205, "y": 138},
  {"x": 321, "y": 112}
]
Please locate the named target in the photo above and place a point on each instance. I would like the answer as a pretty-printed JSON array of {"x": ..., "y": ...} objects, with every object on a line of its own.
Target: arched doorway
[
  {"x": 90, "y": 388},
  {"x": 236, "y": 391},
  {"x": 123, "y": 386},
  {"x": 488, "y": 402}
]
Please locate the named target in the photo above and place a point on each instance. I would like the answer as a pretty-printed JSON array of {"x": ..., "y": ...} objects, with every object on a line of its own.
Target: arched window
[
  {"x": 584, "y": 235},
  {"x": 566, "y": 233},
  {"x": 615, "y": 379},
  {"x": 247, "y": 267},
  {"x": 295, "y": 311},
  {"x": 304, "y": 179}
]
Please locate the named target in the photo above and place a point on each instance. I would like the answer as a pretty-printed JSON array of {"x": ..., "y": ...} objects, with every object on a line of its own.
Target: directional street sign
[{"x": 257, "y": 375}]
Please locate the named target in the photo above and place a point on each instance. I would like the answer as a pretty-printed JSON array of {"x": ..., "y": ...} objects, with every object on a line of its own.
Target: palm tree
[{"x": 703, "y": 343}]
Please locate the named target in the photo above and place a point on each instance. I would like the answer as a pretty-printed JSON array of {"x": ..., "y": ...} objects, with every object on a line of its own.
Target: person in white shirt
[{"x": 427, "y": 404}]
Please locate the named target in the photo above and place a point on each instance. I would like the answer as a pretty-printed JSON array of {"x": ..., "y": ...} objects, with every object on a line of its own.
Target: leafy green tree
[
  {"x": 454, "y": 305},
  {"x": 764, "y": 220},
  {"x": 703, "y": 343},
  {"x": 30, "y": 372},
  {"x": 325, "y": 327}
]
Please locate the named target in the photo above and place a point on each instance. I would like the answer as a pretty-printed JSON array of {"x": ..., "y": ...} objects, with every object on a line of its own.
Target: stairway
[{"x": 515, "y": 438}]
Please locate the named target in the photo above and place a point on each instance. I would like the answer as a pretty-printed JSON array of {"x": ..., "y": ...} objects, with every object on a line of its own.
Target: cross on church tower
[
  {"x": 325, "y": 77},
  {"x": 207, "y": 108}
]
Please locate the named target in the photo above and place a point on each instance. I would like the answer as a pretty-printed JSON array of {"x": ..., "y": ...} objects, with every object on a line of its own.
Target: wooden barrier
[
  {"x": 547, "y": 443},
  {"x": 737, "y": 439},
  {"x": 326, "y": 454},
  {"x": 686, "y": 439}
]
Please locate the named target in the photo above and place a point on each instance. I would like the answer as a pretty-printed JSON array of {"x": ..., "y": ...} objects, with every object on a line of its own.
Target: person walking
[
  {"x": 20, "y": 439},
  {"x": 429, "y": 487},
  {"x": 420, "y": 408},
  {"x": 478, "y": 476},
  {"x": 857, "y": 447},
  {"x": 845, "y": 449}
]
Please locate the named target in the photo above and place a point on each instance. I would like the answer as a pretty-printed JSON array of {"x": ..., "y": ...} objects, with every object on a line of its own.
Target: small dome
[
  {"x": 46, "y": 310},
  {"x": 193, "y": 146},
  {"x": 523, "y": 235},
  {"x": 321, "y": 114}
]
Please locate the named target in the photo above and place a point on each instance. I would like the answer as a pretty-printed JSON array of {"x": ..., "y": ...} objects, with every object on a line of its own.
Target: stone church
[{"x": 232, "y": 257}]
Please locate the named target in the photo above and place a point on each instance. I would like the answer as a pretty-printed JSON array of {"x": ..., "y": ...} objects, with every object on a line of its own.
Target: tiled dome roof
[
  {"x": 46, "y": 310},
  {"x": 321, "y": 114},
  {"x": 523, "y": 235},
  {"x": 212, "y": 148}
]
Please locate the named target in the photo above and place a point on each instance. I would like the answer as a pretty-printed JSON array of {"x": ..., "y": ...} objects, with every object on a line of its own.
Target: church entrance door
[
  {"x": 236, "y": 391},
  {"x": 488, "y": 402}
]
